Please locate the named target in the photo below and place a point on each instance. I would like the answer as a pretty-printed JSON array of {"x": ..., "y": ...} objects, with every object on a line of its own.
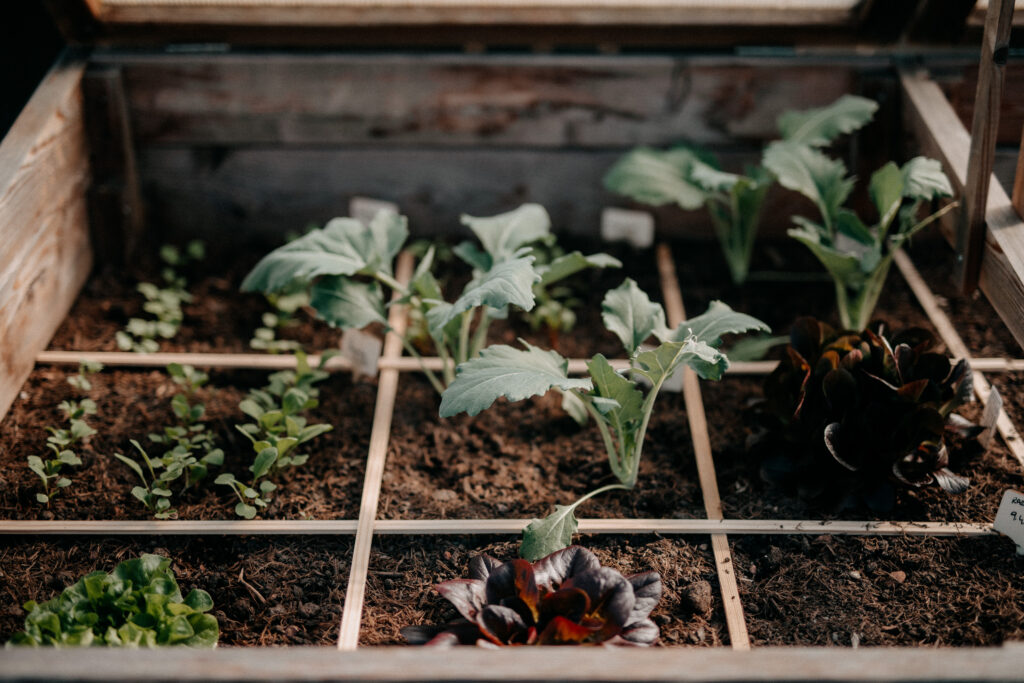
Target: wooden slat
[
  {"x": 44, "y": 233},
  {"x": 607, "y": 665},
  {"x": 941, "y": 135},
  {"x": 433, "y": 527},
  {"x": 257, "y": 361},
  {"x": 387, "y": 390},
  {"x": 971, "y": 228},
  {"x": 476, "y": 12},
  {"x": 958, "y": 349},
  {"x": 732, "y": 605},
  {"x": 1017, "y": 198},
  {"x": 539, "y": 101}
]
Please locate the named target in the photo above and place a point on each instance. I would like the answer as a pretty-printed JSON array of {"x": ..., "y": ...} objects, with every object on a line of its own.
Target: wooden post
[
  {"x": 1018, "y": 179},
  {"x": 970, "y": 240}
]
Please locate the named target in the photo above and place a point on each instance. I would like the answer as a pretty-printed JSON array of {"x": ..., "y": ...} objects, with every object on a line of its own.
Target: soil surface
[
  {"x": 746, "y": 496},
  {"x": 222, "y": 319},
  {"x": 131, "y": 404},
  {"x": 972, "y": 315},
  {"x": 266, "y": 591},
  {"x": 403, "y": 571},
  {"x": 786, "y": 282},
  {"x": 519, "y": 459},
  {"x": 871, "y": 591}
]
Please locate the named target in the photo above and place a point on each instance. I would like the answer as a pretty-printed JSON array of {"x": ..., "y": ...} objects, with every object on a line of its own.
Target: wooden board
[
  {"x": 44, "y": 238},
  {"x": 607, "y": 665},
  {"x": 941, "y": 135},
  {"x": 419, "y": 12},
  {"x": 457, "y": 100}
]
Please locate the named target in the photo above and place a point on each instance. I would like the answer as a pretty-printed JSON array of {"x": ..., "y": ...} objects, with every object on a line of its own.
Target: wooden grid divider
[
  {"x": 957, "y": 347},
  {"x": 733, "y": 606},
  {"x": 387, "y": 390}
]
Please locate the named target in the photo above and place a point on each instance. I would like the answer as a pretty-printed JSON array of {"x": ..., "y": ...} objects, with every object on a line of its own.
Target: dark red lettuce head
[
  {"x": 566, "y": 598},
  {"x": 861, "y": 414}
]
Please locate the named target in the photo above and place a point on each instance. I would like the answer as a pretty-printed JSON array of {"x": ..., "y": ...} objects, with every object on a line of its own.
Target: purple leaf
[
  {"x": 466, "y": 595},
  {"x": 552, "y": 571},
  {"x": 647, "y": 594}
]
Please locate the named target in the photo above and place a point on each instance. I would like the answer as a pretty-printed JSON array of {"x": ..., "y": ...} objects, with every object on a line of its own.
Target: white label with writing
[
  {"x": 993, "y": 406},
  {"x": 363, "y": 209},
  {"x": 624, "y": 225},
  {"x": 362, "y": 349},
  {"x": 1010, "y": 518}
]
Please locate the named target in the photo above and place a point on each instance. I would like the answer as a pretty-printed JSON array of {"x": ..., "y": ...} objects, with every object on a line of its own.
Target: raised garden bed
[{"x": 431, "y": 493}]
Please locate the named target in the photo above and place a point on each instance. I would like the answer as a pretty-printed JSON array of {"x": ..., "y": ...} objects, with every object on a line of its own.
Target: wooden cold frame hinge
[{"x": 971, "y": 228}]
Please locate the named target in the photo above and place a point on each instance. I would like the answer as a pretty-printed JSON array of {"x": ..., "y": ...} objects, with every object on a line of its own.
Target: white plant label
[
  {"x": 625, "y": 225},
  {"x": 993, "y": 406},
  {"x": 1010, "y": 518},
  {"x": 363, "y": 209},
  {"x": 362, "y": 349}
]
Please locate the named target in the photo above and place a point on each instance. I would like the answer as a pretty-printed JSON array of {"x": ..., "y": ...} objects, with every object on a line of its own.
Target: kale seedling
[
  {"x": 856, "y": 256},
  {"x": 691, "y": 177},
  {"x": 278, "y": 431},
  {"x": 63, "y": 440},
  {"x": 566, "y": 598},
  {"x": 139, "y": 604},
  {"x": 615, "y": 401},
  {"x": 347, "y": 265},
  {"x": 155, "y": 493},
  {"x": 162, "y": 303}
]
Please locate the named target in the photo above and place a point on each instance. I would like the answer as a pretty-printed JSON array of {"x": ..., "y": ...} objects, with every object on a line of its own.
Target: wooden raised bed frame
[{"x": 46, "y": 252}]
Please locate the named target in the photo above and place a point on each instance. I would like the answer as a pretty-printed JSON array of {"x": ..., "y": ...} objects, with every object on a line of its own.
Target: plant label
[
  {"x": 993, "y": 406},
  {"x": 1010, "y": 518},
  {"x": 362, "y": 349},
  {"x": 624, "y": 225},
  {"x": 363, "y": 209}
]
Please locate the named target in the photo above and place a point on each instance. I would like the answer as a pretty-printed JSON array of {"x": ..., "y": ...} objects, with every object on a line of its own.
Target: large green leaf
[
  {"x": 806, "y": 170},
  {"x": 655, "y": 177},
  {"x": 346, "y": 303},
  {"x": 504, "y": 371},
  {"x": 819, "y": 127},
  {"x": 343, "y": 247},
  {"x": 629, "y": 313},
  {"x": 886, "y": 190},
  {"x": 923, "y": 179},
  {"x": 843, "y": 267},
  {"x": 508, "y": 283},
  {"x": 503, "y": 235},
  {"x": 623, "y": 409},
  {"x": 542, "y": 537},
  {"x": 659, "y": 364},
  {"x": 718, "y": 320},
  {"x": 572, "y": 263}
]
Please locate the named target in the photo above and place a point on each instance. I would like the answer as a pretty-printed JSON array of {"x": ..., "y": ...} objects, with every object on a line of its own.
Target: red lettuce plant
[
  {"x": 851, "y": 414},
  {"x": 566, "y": 598}
]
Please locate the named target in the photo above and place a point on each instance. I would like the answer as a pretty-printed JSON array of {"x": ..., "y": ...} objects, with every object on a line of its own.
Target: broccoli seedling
[{"x": 614, "y": 400}]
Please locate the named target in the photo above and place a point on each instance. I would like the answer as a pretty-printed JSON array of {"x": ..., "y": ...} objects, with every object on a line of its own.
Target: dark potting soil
[
  {"x": 746, "y": 496},
  {"x": 403, "y": 571},
  {"x": 872, "y": 591},
  {"x": 222, "y": 319},
  {"x": 519, "y": 459},
  {"x": 786, "y": 282},
  {"x": 972, "y": 315},
  {"x": 266, "y": 591},
  {"x": 131, "y": 404}
]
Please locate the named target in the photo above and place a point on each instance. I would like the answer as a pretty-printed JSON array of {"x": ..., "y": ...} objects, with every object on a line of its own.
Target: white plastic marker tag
[
  {"x": 1010, "y": 518},
  {"x": 362, "y": 349},
  {"x": 993, "y": 406},
  {"x": 363, "y": 209},
  {"x": 624, "y": 225},
  {"x": 673, "y": 383}
]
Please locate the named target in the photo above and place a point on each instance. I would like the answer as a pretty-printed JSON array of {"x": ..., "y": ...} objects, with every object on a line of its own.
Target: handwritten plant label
[
  {"x": 362, "y": 349},
  {"x": 363, "y": 209},
  {"x": 624, "y": 225},
  {"x": 1010, "y": 518},
  {"x": 993, "y": 406}
]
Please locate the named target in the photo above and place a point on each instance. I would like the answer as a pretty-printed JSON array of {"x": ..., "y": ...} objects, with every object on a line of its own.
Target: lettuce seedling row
[{"x": 368, "y": 526}]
